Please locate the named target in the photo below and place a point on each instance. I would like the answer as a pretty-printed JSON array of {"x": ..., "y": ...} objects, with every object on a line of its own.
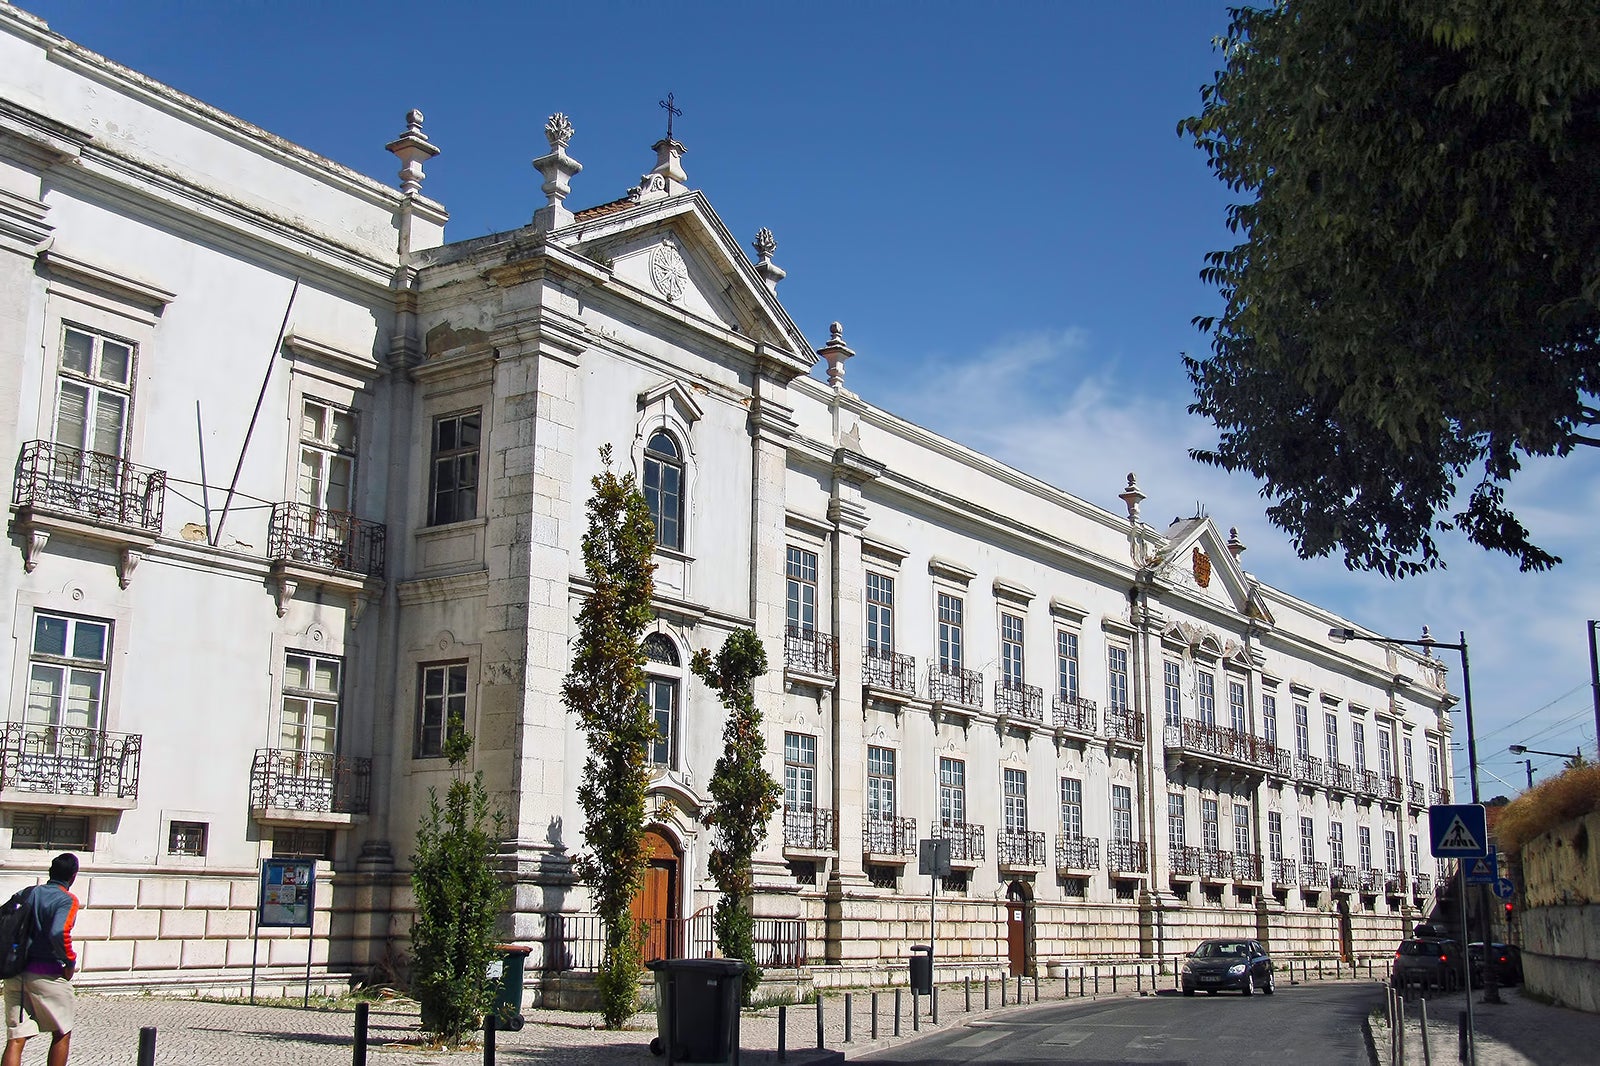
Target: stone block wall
[{"x": 1560, "y": 925}]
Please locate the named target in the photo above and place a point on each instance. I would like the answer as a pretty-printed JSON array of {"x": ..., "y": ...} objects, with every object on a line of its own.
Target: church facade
[{"x": 298, "y": 481}]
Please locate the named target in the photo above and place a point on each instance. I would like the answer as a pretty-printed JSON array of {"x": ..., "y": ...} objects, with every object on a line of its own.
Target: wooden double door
[{"x": 657, "y": 904}]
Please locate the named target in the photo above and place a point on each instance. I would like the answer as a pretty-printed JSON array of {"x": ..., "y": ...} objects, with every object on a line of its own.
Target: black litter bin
[
  {"x": 922, "y": 969},
  {"x": 508, "y": 999},
  {"x": 697, "y": 1010}
]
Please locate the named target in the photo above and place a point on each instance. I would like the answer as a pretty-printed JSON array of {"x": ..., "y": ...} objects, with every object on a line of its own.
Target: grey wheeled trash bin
[
  {"x": 697, "y": 1010},
  {"x": 921, "y": 970}
]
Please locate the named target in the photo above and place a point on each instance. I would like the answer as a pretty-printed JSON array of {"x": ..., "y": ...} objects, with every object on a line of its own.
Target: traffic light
[{"x": 1508, "y": 910}]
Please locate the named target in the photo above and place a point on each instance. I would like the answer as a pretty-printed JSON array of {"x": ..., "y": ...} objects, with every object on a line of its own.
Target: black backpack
[{"x": 16, "y": 933}]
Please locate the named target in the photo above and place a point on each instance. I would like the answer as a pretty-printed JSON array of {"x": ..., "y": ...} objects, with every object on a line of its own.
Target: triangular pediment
[
  {"x": 677, "y": 251},
  {"x": 1197, "y": 559}
]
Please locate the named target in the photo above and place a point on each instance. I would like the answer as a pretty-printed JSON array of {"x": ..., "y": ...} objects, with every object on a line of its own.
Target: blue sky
[{"x": 991, "y": 197}]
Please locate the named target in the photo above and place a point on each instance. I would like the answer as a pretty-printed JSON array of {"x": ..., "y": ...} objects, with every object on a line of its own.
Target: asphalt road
[{"x": 1307, "y": 1025}]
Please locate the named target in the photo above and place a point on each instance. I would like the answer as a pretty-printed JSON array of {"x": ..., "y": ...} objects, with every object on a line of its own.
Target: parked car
[
  {"x": 1427, "y": 962},
  {"x": 1219, "y": 964},
  {"x": 1507, "y": 963}
]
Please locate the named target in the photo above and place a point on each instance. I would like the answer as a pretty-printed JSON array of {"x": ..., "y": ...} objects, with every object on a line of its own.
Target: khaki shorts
[{"x": 37, "y": 1003}]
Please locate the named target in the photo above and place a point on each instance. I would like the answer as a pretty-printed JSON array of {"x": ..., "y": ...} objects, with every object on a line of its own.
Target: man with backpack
[{"x": 40, "y": 999}]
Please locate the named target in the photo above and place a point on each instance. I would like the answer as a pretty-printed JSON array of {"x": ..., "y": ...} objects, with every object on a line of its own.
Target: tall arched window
[
  {"x": 661, "y": 689},
  {"x": 663, "y": 488}
]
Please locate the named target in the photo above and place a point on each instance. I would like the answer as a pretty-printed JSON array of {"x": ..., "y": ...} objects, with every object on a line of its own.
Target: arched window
[
  {"x": 663, "y": 488},
  {"x": 661, "y": 689}
]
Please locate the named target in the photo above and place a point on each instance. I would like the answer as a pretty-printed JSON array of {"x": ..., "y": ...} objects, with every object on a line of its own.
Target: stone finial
[
  {"x": 770, "y": 272},
  {"x": 667, "y": 178},
  {"x": 558, "y": 169},
  {"x": 1235, "y": 545},
  {"x": 836, "y": 352},
  {"x": 1133, "y": 498},
  {"x": 414, "y": 149}
]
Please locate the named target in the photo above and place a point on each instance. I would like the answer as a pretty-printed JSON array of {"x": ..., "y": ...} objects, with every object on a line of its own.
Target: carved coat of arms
[{"x": 1202, "y": 568}]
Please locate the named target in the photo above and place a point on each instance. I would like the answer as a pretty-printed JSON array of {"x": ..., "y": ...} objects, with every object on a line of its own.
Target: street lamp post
[
  {"x": 1594, "y": 678},
  {"x": 1519, "y": 749},
  {"x": 1491, "y": 990}
]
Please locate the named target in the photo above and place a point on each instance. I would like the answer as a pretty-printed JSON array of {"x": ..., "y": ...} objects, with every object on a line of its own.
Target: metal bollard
[
  {"x": 933, "y": 1002},
  {"x": 1400, "y": 1031},
  {"x": 1002, "y": 991},
  {"x": 1080, "y": 982},
  {"x": 783, "y": 1032},
  {"x": 1097, "y": 978},
  {"x": 985, "y": 991},
  {"x": 1036, "y": 988},
  {"x": 847, "y": 1005},
  {"x": 966, "y": 983},
  {"x": 147, "y": 1046},
  {"x": 1019, "y": 990},
  {"x": 1138, "y": 979},
  {"x": 488, "y": 1039},
  {"x": 359, "y": 1056},
  {"x": 916, "y": 1014},
  {"x": 1427, "y": 1052},
  {"x": 1113, "y": 978},
  {"x": 896, "y": 1012},
  {"x": 874, "y": 1015},
  {"x": 821, "y": 1043},
  {"x": 1463, "y": 1041}
]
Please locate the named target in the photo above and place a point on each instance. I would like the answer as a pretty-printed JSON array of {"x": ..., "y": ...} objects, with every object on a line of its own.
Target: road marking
[
  {"x": 978, "y": 1039},
  {"x": 1066, "y": 1039}
]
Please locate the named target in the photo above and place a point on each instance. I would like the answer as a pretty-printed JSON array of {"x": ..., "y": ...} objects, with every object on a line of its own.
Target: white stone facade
[{"x": 210, "y": 668}]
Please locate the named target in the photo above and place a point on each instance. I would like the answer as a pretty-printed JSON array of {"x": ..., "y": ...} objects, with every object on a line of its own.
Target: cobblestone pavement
[{"x": 1521, "y": 1031}]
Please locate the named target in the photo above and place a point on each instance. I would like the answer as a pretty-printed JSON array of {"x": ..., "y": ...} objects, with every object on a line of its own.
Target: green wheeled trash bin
[
  {"x": 697, "y": 1010},
  {"x": 508, "y": 1000},
  {"x": 921, "y": 976}
]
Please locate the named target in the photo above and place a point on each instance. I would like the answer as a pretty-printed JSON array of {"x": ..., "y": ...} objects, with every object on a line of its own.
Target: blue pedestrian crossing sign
[
  {"x": 1459, "y": 830},
  {"x": 1483, "y": 871}
]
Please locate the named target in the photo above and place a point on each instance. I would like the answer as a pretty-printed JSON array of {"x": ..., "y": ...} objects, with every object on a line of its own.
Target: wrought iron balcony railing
[
  {"x": 890, "y": 670},
  {"x": 1216, "y": 864},
  {"x": 1441, "y": 796},
  {"x": 90, "y": 485},
  {"x": 1416, "y": 795},
  {"x": 1077, "y": 853},
  {"x": 810, "y": 652},
  {"x": 1313, "y": 874},
  {"x": 330, "y": 540},
  {"x": 1341, "y": 777},
  {"x": 1283, "y": 872},
  {"x": 1127, "y": 857},
  {"x": 1015, "y": 700},
  {"x": 1368, "y": 782},
  {"x": 1220, "y": 742},
  {"x": 1371, "y": 881},
  {"x": 1185, "y": 862},
  {"x": 889, "y": 836},
  {"x": 1125, "y": 723},
  {"x": 1344, "y": 878},
  {"x": 1308, "y": 768},
  {"x": 1077, "y": 714},
  {"x": 1391, "y": 788},
  {"x": 58, "y": 760},
  {"x": 1421, "y": 884},
  {"x": 808, "y": 828},
  {"x": 961, "y": 687},
  {"x": 1246, "y": 867},
  {"x": 1278, "y": 761},
  {"x": 315, "y": 782},
  {"x": 1394, "y": 883},
  {"x": 1020, "y": 849},
  {"x": 966, "y": 840}
]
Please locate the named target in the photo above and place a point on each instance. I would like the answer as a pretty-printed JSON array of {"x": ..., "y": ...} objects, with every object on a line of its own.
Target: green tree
[
  {"x": 743, "y": 794},
  {"x": 605, "y": 690},
  {"x": 1414, "y": 308},
  {"x": 459, "y": 897}
]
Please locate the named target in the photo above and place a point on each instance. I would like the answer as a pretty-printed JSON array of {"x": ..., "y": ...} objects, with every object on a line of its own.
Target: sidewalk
[{"x": 1519, "y": 1032}]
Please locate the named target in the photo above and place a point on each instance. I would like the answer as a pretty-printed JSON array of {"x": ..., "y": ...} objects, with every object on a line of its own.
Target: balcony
[
  {"x": 1184, "y": 862},
  {"x": 1416, "y": 795},
  {"x": 1313, "y": 874},
  {"x": 1246, "y": 867},
  {"x": 326, "y": 540},
  {"x": 292, "y": 787},
  {"x": 87, "y": 495},
  {"x": 1394, "y": 883},
  {"x": 808, "y": 830},
  {"x": 1390, "y": 788},
  {"x": 1216, "y": 865},
  {"x": 1020, "y": 851},
  {"x": 1371, "y": 881},
  {"x": 1125, "y": 724},
  {"x": 888, "y": 840},
  {"x": 966, "y": 842},
  {"x": 1278, "y": 761},
  {"x": 68, "y": 766},
  {"x": 1200, "y": 742},
  {"x": 1308, "y": 770},
  {"x": 1077, "y": 854},
  {"x": 1343, "y": 878},
  {"x": 954, "y": 690},
  {"x": 806, "y": 651},
  {"x": 1283, "y": 872},
  {"x": 1019, "y": 703},
  {"x": 1421, "y": 885},
  {"x": 889, "y": 672},
  {"x": 1441, "y": 796},
  {"x": 1076, "y": 715},
  {"x": 1368, "y": 783},
  {"x": 1340, "y": 778},
  {"x": 1126, "y": 857}
]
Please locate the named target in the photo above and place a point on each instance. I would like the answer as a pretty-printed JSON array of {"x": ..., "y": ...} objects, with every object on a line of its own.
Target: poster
[{"x": 288, "y": 893}]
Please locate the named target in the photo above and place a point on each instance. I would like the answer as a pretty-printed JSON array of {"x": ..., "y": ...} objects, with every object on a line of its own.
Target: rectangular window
[
  {"x": 1385, "y": 753},
  {"x": 1172, "y": 691},
  {"x": 801, "y": 572},
  {"x": 662, "y": 695},
  {"x": 186, "y": 838},
  {"x": 444, "y": 707},
  {"x": 1336, "y": 843},
  {"x": 1358, "y": 744},
  {"x": 1330, "y": 726},
  {"x": 1206, "y": 697},
  {"x": 1274, "y": 835},
  {"x": 302, "y": 844},
  {"x": 1364, "y": 846},
  {"x": 1269, "y": 720},
  {"x": 327, "y": 456},
  {"x": 1122, "y": 814},
  {"x": 453, "y": 471},
  {"x": 94, "y": 392},
  {"x": 1391, "y": 851},
  {"x": 67, "y": 672},
  {"x": 1071, "y": 808},
  {"x": 952, "y": 792},
  {"x": 799, "y": 771},
  {"x": 51, "y": 832},
  {"x": 1011, "y": 650},
  {"x": 1415, "y": 865},
  {"x": 1067, "y": 665},
  {"x": 311, "y": 692},
  {"x": 1177, "y": 829},
  {"x": 1236, "y": 708},
  {"x": 880, "y": 614},
  {"x": 1308, "y": 842},
  {"x": 1302, "y": 731},
  {"x": 1209, "y": 832},
  {"x": 1405, "y": 751},
  {"x": 950, "y": 625},
  {"x": 1434, "y": 764},
  {"x": 1241, "y": 829},
  {"x": 1117, "y": 668},
  {"x": 880, "y": 783},
  {"x": 1016, "y": 800}
]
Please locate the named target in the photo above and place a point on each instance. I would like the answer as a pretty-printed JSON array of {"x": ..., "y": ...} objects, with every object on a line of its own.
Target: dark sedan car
[
  {"x": 1507, "y": 960},
  {"x": 1236, "y": 964},
  {"x": 1427, "y": 962}
]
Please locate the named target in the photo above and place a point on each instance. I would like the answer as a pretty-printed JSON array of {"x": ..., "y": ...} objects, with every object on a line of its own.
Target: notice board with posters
[{"x": 288, "y": 893}]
